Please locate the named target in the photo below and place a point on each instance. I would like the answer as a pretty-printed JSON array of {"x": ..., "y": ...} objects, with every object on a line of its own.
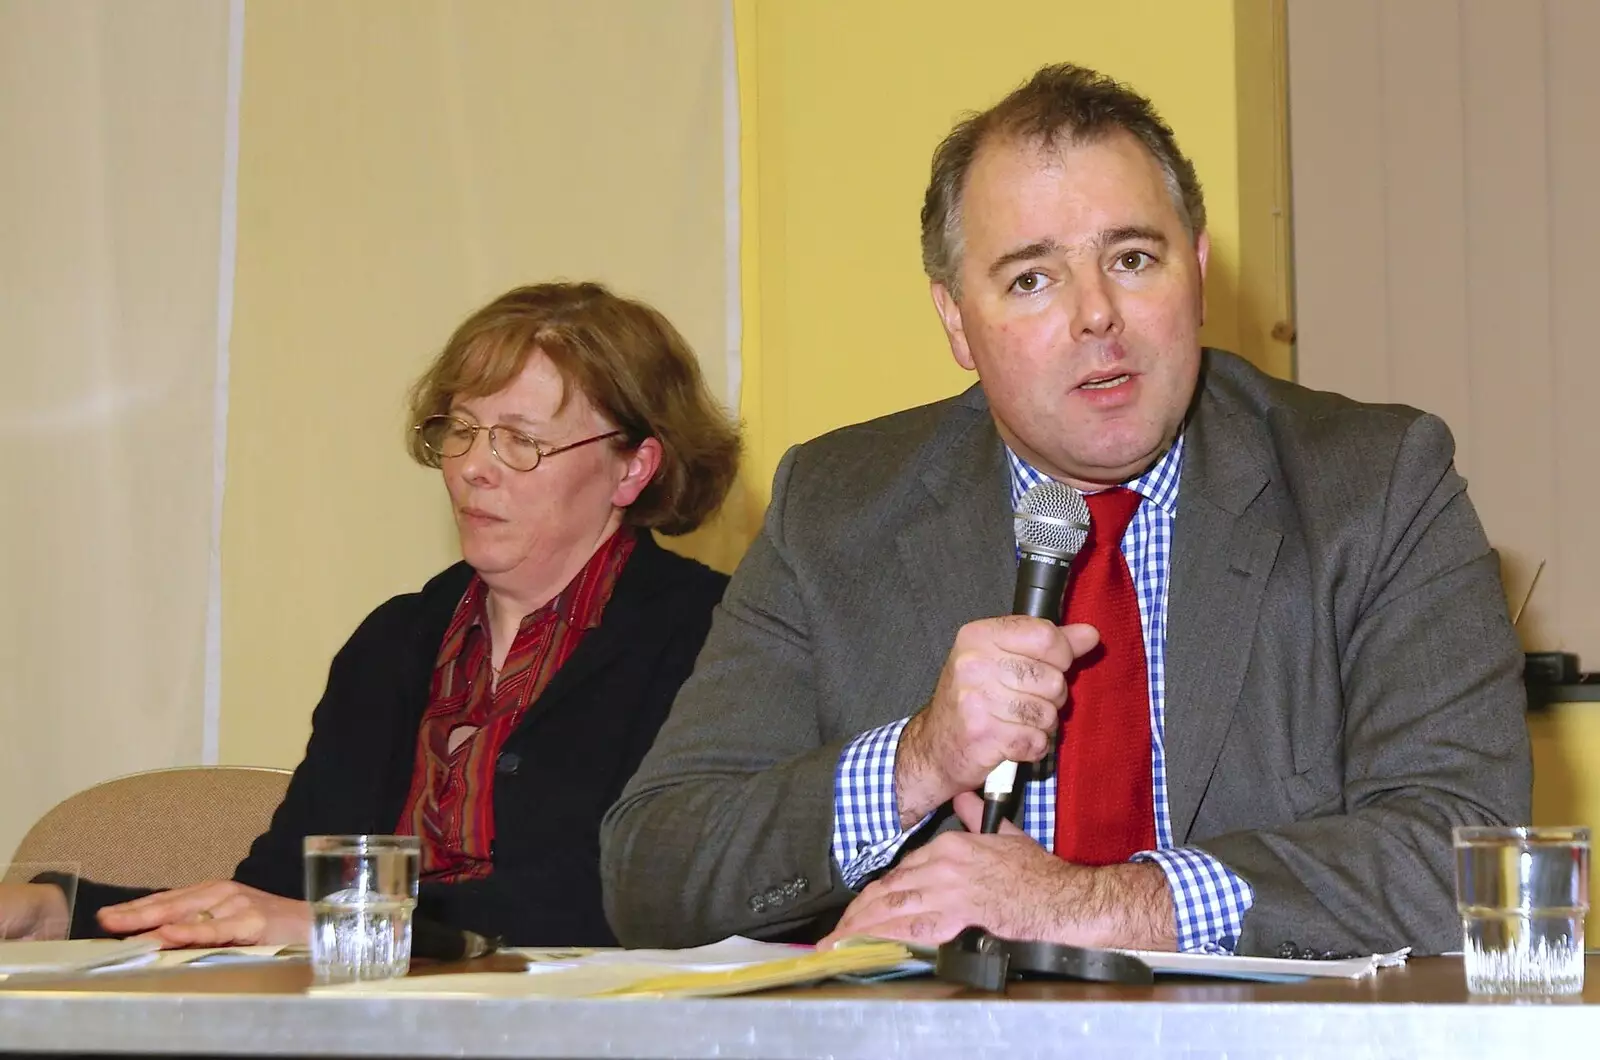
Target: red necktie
[{"x": 1104, "y": 804}]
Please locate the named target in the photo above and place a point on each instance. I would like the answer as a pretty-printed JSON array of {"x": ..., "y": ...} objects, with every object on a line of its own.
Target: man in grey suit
[{"x": 1325, "y": 677}]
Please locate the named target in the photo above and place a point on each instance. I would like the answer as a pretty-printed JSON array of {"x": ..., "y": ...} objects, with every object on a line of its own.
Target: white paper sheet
[
  {"x": 1254, "y": 969},
  {"x": 1267, "y": 969},
  {"x": 22, "y": 957},
  {"x": 219, "y": 955}
]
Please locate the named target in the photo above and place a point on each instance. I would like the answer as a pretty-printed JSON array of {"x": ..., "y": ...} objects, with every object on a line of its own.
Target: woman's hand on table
[
  {"x": 33, "y": 911},
  {"x": 217, "y": 913}
]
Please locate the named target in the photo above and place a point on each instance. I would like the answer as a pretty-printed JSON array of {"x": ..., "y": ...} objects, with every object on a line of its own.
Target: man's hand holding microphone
[
  {"x": 998, "y": 699},
  {"x": 998, "y": 702}
]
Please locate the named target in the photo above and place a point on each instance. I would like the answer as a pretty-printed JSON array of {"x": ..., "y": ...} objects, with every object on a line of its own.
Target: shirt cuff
[
  {"x": 1208, "y": 900},
  {"x": 866, "y": 817}
]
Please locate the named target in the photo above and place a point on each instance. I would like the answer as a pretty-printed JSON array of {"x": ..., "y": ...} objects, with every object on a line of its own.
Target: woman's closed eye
[{"x": 515, "y": 443}]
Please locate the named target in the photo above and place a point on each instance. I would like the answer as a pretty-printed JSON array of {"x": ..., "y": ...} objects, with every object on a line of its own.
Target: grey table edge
[{"x": 778, "y": 1028}]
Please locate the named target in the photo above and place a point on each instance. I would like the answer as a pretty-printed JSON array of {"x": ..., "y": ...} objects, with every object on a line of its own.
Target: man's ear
[
  {"x": 1202, "y": 253},
  {"x": 950, "y": 317}
]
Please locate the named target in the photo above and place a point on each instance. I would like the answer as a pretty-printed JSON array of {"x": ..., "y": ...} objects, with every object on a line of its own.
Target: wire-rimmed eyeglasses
[{"x": 448, "y": 436}]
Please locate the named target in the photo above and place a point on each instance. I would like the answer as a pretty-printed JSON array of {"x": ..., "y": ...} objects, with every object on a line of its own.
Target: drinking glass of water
[
  {"x": 362, "y": 889},
  {"x": 1523, "y": 894}
]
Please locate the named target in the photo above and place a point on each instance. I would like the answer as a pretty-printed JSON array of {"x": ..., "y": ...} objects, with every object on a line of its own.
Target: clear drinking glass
[
  {"x": 362, "y": 889},
  {"x": 1523, "y": 894}
]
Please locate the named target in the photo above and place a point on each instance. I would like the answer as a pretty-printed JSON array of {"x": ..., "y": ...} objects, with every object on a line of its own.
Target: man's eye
[
  {"x": 1028, "y": 282},
  {"x": 1133, "y": 260}
]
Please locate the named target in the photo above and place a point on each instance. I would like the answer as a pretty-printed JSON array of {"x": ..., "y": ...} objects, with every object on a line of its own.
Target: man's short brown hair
[
  {"x": 627, "y": 359},
  {"x": 1059, "y": 104}
]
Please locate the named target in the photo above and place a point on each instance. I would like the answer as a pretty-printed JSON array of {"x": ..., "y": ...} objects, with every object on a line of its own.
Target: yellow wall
[
  {"x": 843, "y": 105},
  {"x": 1266, "y": 254},
  {"x": 1566, "y": 771},
  {"x": 1566, "y": 764}
]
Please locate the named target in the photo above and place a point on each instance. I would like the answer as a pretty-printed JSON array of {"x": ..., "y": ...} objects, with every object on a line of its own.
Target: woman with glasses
[{"x": 497, "y": 712}]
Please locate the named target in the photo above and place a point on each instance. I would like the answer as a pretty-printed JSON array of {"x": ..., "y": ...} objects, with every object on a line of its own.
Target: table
[{"x": 1422, "y": 1010}]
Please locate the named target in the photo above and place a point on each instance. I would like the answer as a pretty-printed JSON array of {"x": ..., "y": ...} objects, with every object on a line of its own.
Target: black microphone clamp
[{"x": 983, "y": 961}]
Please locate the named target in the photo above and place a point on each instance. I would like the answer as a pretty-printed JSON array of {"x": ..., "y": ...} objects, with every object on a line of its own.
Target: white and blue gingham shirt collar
[{"x": 1159, "y": 484}]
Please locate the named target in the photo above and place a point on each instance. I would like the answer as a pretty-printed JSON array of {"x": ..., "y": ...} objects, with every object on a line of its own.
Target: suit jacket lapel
[
  {"x": 957, "y": 547},
  {"x": 1222, "y": 555}
]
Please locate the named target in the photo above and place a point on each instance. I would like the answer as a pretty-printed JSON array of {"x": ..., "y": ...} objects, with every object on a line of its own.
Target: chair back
[{"x": 160, "y": 828}]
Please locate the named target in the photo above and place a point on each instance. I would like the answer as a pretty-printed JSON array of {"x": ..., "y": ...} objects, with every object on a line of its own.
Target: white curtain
[{"x": 113, "y": 124}]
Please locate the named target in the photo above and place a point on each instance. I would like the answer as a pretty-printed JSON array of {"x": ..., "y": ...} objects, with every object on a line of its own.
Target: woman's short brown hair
[{"x": 627, "y": 359}]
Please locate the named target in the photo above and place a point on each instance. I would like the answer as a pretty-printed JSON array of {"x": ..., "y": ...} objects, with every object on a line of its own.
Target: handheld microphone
[{"x": 1051, "y": 524}]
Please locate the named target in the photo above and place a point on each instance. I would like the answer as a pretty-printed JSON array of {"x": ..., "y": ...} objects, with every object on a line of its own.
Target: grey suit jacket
[{"x": 1342, "y": 682}]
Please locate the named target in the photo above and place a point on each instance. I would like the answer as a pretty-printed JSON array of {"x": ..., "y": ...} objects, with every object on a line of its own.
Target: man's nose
[{"x": 1095, "y": 312}]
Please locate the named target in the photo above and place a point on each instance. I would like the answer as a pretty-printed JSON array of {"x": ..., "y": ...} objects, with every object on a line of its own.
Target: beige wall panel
[
  {"x": 1573, "y": 117},
  {"x": 112, "y": 120},
  {"x": 1512, "y": 460},
  {"x": 1424, "y": 194},
  {"x": 1480, "y": 176},
  {"x": 1341, "y": 275},
  {"x": 401, "y": 163},
  {"x": 1487, "y": 168}
]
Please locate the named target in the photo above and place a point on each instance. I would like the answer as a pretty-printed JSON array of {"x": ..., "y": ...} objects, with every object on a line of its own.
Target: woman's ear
[{"x": 642, "y": 465}]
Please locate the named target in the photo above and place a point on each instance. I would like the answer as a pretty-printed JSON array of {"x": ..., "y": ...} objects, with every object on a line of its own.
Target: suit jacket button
[{"x": 508, "y": 763}]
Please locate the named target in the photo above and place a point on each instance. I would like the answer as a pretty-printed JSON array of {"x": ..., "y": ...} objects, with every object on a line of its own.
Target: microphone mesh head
[{"x": 1053, "y": 518}]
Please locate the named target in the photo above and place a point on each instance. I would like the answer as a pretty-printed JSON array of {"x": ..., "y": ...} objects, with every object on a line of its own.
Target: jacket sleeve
[
  {"x": 88, "y": 898},
  {"x": 1433, "y": 734},
  {"x": 725, "y": 829}
]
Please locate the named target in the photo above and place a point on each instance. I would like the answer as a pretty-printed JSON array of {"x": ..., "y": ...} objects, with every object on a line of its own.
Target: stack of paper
[{"x": 733, "y": 966}]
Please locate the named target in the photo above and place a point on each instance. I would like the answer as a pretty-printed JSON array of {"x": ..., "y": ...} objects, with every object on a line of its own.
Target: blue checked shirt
[{"x": 1210, "y": 901}]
